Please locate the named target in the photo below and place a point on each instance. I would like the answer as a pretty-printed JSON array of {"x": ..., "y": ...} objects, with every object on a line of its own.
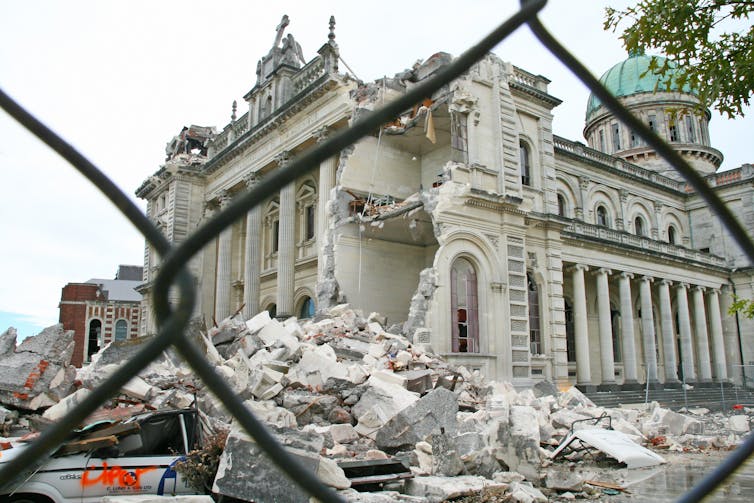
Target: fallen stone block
[
  {"x": 545, "y": 388},
  {"x": 437, "y": 489},
  {"x": 274, "y": 334},
  {"x": 739, "y": 423},
  {"x": 418, "y": 381},
  {"x": 257, "y": 323},
  {"x": 521, "y": 492},
  {"x": 343, "y": 433},
  {"x": 270, "y": 413},
  {"x": 518, "y": 441},
  {"x": 563, "y": 480},
  {"x": 245, "y": 472},
  {"x": 573, "y": 398},
  {"x": 435, "y": 412},
  {"x": 65, "y": 405},
  {"x": 309, "y": 407},
  {"x": 378, "y": 404},
  {"x": 445, "y": 458}
]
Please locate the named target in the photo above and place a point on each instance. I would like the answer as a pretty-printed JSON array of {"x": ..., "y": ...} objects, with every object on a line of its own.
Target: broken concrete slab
[
  {"x": 37, "y": 373},
  {"x": 435, "y": 412}
]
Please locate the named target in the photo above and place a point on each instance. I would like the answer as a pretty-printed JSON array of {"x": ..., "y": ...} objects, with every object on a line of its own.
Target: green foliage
[
  {"x": 200, "y": 466},
  {"x": 710, "y": 41},
  {"x": 743, "y": 306}
]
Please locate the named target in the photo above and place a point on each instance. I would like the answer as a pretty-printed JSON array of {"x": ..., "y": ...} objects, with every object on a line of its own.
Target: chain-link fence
[{"x": 173, "y": 320}]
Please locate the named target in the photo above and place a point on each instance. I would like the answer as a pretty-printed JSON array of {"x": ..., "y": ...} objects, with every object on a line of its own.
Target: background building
[
  {"x": 101, "y": 310},
  {"x": 469, "y": 224}
]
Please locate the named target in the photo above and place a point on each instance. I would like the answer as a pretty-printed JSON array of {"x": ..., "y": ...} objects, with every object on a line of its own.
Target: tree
[
  {"x": 743, "y": 306},
  {"x": 709, "y": 42}
]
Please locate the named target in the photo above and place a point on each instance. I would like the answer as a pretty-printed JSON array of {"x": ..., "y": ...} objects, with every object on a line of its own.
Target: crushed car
[{"x": 134, "y": 456}]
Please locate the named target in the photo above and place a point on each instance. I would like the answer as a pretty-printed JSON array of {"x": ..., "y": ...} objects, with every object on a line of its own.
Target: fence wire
[{"x": 173, "y": 320}]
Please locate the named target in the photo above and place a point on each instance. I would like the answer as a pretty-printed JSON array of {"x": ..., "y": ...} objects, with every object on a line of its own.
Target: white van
[{"x": 142, "y": 461}]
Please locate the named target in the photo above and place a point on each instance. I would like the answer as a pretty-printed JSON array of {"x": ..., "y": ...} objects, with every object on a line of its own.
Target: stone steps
[{"x": 711, "y": 398}]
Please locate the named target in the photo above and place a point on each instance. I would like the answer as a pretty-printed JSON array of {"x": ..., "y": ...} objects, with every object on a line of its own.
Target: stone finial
[
  {"x": 233, "y": 109},
  {"x": 331, "y": 35}
]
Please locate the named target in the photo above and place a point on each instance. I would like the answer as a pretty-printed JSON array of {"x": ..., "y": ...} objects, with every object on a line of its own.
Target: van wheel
[{"x": 28, "y": 498}]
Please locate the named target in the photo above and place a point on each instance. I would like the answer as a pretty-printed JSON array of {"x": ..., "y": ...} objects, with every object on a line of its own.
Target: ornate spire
[
  {"x": 233, "y": 108},
  {"x": 331, "y": 35}
]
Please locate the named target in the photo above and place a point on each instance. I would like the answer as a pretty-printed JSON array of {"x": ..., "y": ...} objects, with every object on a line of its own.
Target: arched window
[
  {"x": 307, "y": 308},
  {"x": 639, "y": 226},
  {"x": 272, "y": 309},
  {"x": 672, "y": 235},
  {"x": 535, "y": 332},
  {"x": 464, "y": 307},
  {"x": 525, "y": 163},
  {"x": 601, "y": 216},
  {"x": 93, "y": 341},
  {"x": 570, "y": 333},
  {"x": 562, "y": 208},
  {"x": 121, "y": 330}
]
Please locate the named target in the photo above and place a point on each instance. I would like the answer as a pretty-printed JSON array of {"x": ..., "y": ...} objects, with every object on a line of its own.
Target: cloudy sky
[{"x": 119, "y": 79}]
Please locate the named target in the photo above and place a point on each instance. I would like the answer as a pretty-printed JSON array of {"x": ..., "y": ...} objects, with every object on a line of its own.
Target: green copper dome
[{"x": 628, "y": 78}]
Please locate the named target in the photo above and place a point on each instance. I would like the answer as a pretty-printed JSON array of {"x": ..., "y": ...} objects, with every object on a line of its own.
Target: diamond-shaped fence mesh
[{"x": 173, "y": 320}]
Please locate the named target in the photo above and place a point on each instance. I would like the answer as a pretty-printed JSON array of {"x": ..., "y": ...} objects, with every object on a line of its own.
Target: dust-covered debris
[{"x": 342, "y": 388}]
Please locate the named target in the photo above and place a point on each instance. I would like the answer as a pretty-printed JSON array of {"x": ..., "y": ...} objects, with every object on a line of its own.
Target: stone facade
[{"x": 466, "y": 220}]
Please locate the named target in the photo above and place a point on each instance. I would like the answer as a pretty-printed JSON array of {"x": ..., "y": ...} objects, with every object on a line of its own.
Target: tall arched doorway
[{"x": 93, "y": 341}]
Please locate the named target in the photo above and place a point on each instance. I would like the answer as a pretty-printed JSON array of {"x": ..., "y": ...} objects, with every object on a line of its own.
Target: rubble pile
[{"x": 341, "y": 388}]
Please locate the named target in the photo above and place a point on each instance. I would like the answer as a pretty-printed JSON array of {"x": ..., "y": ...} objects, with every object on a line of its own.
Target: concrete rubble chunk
[
  {"x": 61, "y": 408},
  {"x": 435, "y": 412}
]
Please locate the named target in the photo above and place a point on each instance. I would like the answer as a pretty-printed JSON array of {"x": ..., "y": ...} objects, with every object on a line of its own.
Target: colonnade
[
  {"x": 699, "y": 325},
  {"x": 286, "y": 248}
]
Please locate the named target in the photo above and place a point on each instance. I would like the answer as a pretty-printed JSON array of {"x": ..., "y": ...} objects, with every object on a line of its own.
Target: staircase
[{"x": 713, "y": 398}]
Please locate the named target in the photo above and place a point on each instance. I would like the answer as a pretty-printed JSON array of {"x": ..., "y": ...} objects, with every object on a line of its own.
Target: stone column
[
  {"x": 222, "y": 276},
  {"x": 668, "y": 335},
  {"x": 716, "y": 329},
  {"x": 656, "y": 219},
  {"x": 253, "y": 264},
  {"x": 684, "y": 327},
  {"x": 648, "y": 330},
  {"x": 581, "y": 210},
  {"x": 700, "y": 330},
  {"x": 606, "y": 329},
  {"x": 286, "y": 245},
  {"x": 327, "y": 170},
  {"x": 730, "y": 335},
  {"x": 581, "y": 334},
  {"x": 628, "y": 339}
]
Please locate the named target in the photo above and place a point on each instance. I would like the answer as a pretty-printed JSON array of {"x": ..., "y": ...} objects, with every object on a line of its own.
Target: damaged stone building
[{"x": 467, "y": 222}]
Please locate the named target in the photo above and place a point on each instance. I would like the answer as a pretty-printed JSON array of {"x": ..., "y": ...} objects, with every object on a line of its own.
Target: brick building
[{"x": 101, "y": 310}]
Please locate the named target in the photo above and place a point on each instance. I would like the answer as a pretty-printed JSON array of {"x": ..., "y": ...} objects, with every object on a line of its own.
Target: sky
[{"x": 119, "y": 79}]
